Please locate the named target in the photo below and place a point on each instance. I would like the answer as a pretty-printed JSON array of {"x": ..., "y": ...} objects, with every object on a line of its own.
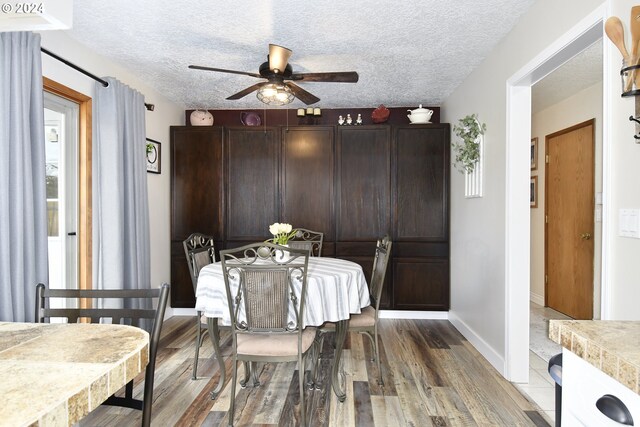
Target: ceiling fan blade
[
  {"x": 278, "y": 58},
  {"x": 222, "y": 70},
  {"x": 246, "y": 91},
  {"x": 302, "y": 94},
  {"x": 337, "y": 77}
]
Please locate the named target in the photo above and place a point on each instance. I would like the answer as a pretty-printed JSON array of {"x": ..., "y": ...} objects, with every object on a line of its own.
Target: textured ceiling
[
  {"x": 580, "y": 72},
  {"x": 405, "y": 52}
]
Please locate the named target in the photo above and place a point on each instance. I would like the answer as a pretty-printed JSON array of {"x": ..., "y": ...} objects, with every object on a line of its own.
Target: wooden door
[
  {"x": 569, "y": 196},
  {"x": 307, "y": 180}
]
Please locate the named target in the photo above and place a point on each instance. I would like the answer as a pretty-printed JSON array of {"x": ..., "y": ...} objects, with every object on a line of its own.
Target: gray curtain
[
  {"x": 120, "y": 206},
  {"x": 23, "y": 200}
]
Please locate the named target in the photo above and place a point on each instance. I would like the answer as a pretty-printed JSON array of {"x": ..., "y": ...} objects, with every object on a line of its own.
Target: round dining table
[{"x": 336, "y": 288}]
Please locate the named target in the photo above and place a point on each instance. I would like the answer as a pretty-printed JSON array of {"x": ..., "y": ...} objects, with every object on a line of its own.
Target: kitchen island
[
  {"x": 601, "y": 367},
  {"x": 55, "y": 374}
]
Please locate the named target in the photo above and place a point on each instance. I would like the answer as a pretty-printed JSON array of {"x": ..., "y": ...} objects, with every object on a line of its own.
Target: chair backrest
[
  {"x": 307, "y": 239},
  {"x": 199, "y": 250},
  {"x": 264, "y": 283},
  {"x": 383, "y": 252},
  {"x": 133, "y": 316}
]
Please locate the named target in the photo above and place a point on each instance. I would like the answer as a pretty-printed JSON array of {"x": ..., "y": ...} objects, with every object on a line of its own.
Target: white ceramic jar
[{"x": 420, "y": 115}]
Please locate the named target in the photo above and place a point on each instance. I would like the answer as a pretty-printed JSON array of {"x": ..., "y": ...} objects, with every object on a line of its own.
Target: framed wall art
[
  {"x": 534, "y": 153},
  {"x": 153, "y": 156},
  {"x": 533, "y": 197}
]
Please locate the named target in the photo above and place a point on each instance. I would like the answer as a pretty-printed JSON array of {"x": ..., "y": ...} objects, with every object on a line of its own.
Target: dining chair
[
  {"x": 366, "y": 322},
  {"x": 132, "y": 316},
  {"x": 307, "y": 239},
  {"x": 199, "y": 250},
  {"x": 266, "y": 300}
]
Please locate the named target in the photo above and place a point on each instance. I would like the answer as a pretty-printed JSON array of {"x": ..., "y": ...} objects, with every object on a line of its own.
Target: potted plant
[{"x": 467, "y": 152}]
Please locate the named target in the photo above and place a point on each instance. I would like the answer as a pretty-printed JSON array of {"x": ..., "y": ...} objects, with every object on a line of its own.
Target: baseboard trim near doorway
[
  {"x": 535, "y": 298},
  {"x": 418, "y": 315},
  {"x": 488, "y": 352}
]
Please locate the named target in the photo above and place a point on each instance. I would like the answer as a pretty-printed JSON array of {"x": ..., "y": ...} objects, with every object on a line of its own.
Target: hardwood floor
[{"x": 432, "y": 376}]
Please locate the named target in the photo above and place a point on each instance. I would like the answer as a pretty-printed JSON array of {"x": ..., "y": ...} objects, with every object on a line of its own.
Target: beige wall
[
  {"x": 478, "y": 239},
  {"x": 583, "y": 106},
  {"x": 158, "y": 121},
  {"x": 622, "y": 160},
  {"x": 479, "y": 293}
]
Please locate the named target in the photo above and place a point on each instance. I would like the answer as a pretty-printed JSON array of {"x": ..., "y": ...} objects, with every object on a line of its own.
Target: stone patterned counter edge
[
  {"x": 86, "y": 400},
  {"x": 628, "y": 374}
]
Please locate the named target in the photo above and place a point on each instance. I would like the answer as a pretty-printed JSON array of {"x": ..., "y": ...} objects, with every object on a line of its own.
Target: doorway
[
  {"x": 517, "y": 226},
  {"x": 569, "y": 231},
  {"x": 82, "y": 156},
  {"x": 61, "y": 118}
]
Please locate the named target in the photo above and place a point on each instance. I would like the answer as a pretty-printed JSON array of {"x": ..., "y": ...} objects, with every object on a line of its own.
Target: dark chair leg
[
  {"x": 199, "y": 337},
  {"x": 558, "y": 405}
]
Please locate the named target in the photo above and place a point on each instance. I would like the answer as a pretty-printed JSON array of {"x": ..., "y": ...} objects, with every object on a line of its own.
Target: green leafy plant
[
  {"x": 467, "y": 152},
  {"x": 149, "y": 147}
]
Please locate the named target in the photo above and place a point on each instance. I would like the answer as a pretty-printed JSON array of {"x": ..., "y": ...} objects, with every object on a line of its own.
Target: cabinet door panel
[
  {"x": 181, "y": 286},
  {"x": 421, "y": 183},
  {"x": 196, "y": 182},
  {"x": 364, "y": 183},
  {"x": 307, "y": 179},
  {"x": 421, "y": 284},
  {"x": 252, "y": 182}
]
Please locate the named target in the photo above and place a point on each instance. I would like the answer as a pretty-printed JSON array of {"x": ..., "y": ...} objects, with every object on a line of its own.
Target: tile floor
[{"x": 541, "y": 388}]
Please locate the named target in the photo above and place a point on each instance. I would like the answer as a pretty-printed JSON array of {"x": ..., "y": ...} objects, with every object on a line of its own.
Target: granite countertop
[
  {"x": 611, "y": 346},
  {"x": 55, "y": 374}
]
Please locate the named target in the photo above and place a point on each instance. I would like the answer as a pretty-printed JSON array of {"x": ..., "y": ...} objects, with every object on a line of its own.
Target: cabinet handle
[{"x": 614, "y": 409}]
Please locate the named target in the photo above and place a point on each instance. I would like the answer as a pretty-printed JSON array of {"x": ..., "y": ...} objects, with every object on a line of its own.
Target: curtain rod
[{"x": 104, "y": 83}]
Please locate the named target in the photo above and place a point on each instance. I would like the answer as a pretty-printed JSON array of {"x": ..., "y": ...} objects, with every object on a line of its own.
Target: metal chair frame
[
  {"x": 117, "y": 315},
  {"x": 309, "y": 240},
  {"x": 199, "y": 251},
  {"x": 265, "y": 290},
  {"x": 380, "y": 262}
]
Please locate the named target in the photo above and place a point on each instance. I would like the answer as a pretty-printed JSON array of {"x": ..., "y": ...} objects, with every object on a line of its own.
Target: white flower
[
  {"x": 285, "y": 228},
  {"x": 274, "y": 229}
]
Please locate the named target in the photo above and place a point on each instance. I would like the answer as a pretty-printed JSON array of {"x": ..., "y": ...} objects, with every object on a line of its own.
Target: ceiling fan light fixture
[
  {"x": 275, "y": 94},
  {"x": 278, "y": 58}
]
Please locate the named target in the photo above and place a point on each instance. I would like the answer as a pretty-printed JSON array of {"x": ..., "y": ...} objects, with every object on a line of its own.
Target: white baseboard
[
  {"x": 384, "y": 314},
  {"x": 496, "y": 360},
  {"x": 184, "y": 312},
  {"x": 422, "y": 315},
  {"x": 536, "y": 298}
]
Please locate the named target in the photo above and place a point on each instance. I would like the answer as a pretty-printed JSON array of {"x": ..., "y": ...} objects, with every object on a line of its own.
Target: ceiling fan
[{"x": 279, "y": 88}]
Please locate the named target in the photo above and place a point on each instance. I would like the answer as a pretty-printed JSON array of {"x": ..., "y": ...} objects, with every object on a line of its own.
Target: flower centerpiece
[{"x": 281, "y": 233}]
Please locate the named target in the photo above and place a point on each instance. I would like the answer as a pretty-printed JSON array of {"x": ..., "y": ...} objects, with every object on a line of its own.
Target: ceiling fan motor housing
[{"x": 267, "y": 72}]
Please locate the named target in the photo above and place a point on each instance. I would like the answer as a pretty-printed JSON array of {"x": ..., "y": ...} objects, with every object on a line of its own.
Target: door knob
[{"x": 585, "y": 236}]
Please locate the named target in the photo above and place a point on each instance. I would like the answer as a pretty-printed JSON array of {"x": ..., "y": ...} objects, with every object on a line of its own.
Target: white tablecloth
[{"x": 336, "y": 288}]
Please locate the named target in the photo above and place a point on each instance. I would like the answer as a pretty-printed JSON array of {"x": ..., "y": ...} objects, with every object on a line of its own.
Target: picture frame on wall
[
  {"x": 534, "y": 153},
  {"x": 533, "y": 197},
  {"x": 154, "y": 151}
]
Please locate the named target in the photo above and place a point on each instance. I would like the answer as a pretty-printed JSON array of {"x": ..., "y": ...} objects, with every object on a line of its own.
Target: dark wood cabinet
[
  {"x": 364, "y": 185},
  {"x": 353, "y": 183},
  {"x": 196, "y": 198},
  {"x": 421, "y": 170},
  {"x": 252, "y": 157},
  {"x": 307, "y": 180}
]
